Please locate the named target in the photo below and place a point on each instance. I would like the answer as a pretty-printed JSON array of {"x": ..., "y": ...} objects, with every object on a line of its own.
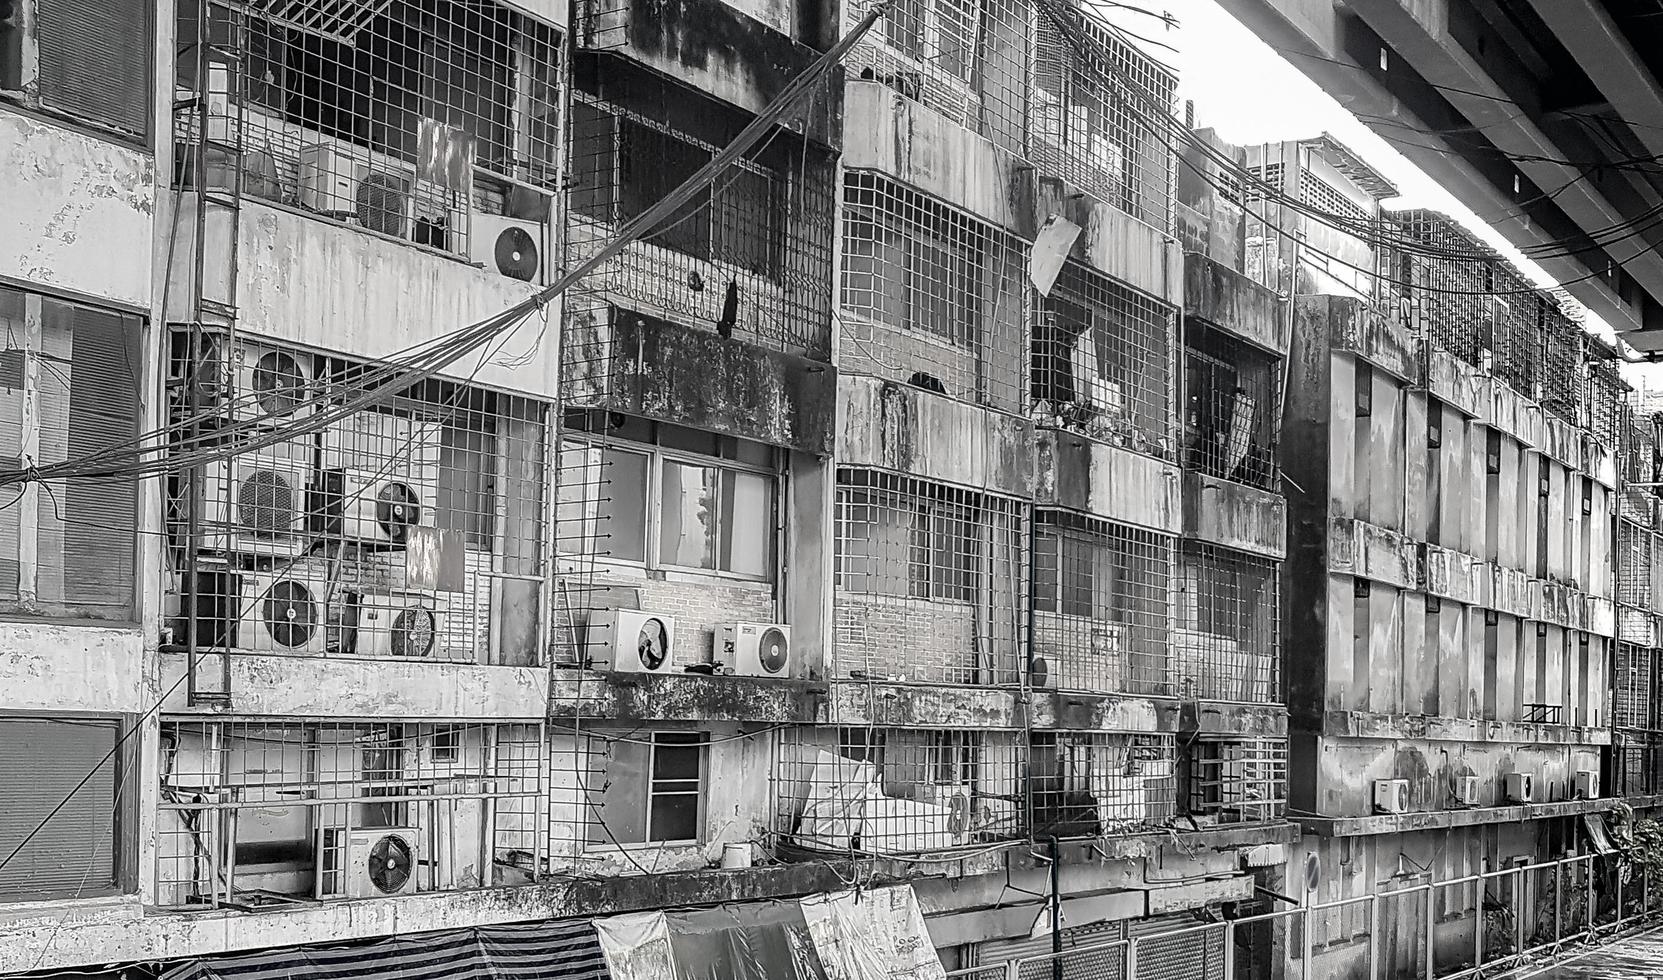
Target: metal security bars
[
  {"x": 1226, "y": 642},
  {"x": 1232, "y": 395},
  {"x": 750, "y": 257},
  {"x": 1102, "y": 618},
  {"x": 930, "y": 295},
  {"x": 1101, "y": 116},
  {"x": 264, "y": 814},
  {"x": 897, "y": 791},
  {"x": 430, "y": 121},
  {"x": 1099, "y": 784},
  {"x": 1605, "y": 397},
  {"x": 1229, "y": 781},
  {"x": 1636, "y": 550},
  {"x": 928, "y": 581},
  {"x": 413, "y": 530},
  {"x": 1102, "y": 362},
  {"x": 1447, "y": 290}
]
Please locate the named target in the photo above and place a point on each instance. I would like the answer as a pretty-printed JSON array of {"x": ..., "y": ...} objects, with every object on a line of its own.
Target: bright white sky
[{"x": 1249, "y": 94}]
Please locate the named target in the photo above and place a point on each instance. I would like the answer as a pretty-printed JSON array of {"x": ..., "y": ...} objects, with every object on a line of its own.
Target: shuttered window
[
  {"x": 69, "y": 382},
  {"x": 76, "y": 853},
  {"x": 92, "y": 60}
]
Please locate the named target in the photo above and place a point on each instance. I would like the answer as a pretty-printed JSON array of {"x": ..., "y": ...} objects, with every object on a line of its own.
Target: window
[
  {"x": 709, "y": 513},
  {"x": 78, "y": 850},
  {"x": 89, "y": 59},
  {"x": 911, "y": 263},
  {"x": 937, "y": 531},
  {"x": 651, "y": 788},
  {"x": 940, "y": 33},
  {"x": 67, "y": 548}
]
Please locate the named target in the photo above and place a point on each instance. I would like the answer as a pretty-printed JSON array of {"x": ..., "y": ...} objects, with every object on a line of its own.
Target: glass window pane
[
  {"x": 747, "y": 524},
  {"x": 687, "y": 515},
  {"x": 621, "y": 511},
  {"x": 674, "y": 818},
  {"x": 613, "y": 770}
]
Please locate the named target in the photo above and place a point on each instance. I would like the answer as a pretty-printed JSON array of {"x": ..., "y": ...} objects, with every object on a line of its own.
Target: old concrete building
[{"x": 1449, "y": 442}]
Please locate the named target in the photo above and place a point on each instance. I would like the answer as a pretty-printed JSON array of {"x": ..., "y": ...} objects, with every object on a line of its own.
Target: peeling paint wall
[
  {"x": 72, "y": 668},
  {"x": 80, "y": 211},
  {"x": 907, "y": 429},
  {"x": 1107, "y": 481}
]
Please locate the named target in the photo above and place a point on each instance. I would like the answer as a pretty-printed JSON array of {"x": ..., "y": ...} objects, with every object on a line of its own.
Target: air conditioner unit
[
  {"x": 1585, "y": 785},
  {"x": 513, "y": 247},
  {"x": 1466, "y": 791},
  {"x": 255, "y": 503},
  {"x": 328, "y": 179},
  {"x": 755, "y": 649},
  {"x": 1519, "y": 787},
  {"x": 365, "y": 863},
  {"x": 1391, "y": 795},
  {"x": 283, "y": 613},
  {"x": 397, "y": 624},
  {"x": 380, "y": 477},
  {"x": 248, "y": 381},
  {"x": 632, "y": 641},
  {"x": 381, "y": 201}
]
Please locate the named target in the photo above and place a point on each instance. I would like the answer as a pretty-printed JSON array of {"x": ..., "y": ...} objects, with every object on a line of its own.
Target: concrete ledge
[
  {"x": 907, "y": 429},
  {"x": 1233, "y": 515},
  {"x": 1399, "y": 823},
  {"x": 1450, "y": 574},
  {"x": 1372, "y": 552},
  {"x": 98, "y": 932},
  {"x": 1380, "y": 725},
  {"x": 1105, "y": 481},
  {"x": 339, "y": 687},
  {"x": 590, "y": 695},
  {"x": 1235, "y": 304},
  {"x": 1458, "y": 384},
  {"x": 1351, "y": 325},
  {"x": 60, "y": 667}
]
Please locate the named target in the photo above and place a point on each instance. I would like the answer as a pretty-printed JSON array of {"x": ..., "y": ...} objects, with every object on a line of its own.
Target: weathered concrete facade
[{"x": 1451, "y": 613}]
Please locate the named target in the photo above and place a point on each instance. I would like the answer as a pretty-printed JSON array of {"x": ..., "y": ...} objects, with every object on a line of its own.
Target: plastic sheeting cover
[{"x": 874, "y": 934}]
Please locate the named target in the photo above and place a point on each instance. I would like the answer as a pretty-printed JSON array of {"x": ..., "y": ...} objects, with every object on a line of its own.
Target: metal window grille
[
  {"x": 1102, "y": 362},
  {"x": 1632, "y": 688},
  {"x": 1232, "y": 394},
  {"x": 1102, "y": 617},
  {"x": 1101, "y": 116},
  {"x": 266, "y": 814},
  {"x": 896, "y": 790},
  {"x": 1448, "y": 287},
  {"x": 1100, "y": 784},
  {"x": 1563, "y": 347},
  {"x": 1636, "y": 763},
  {"x": 1234, "y": 780},
  {"x": 405, "y": 117},
  {"x": 1641, "y": 463},
  {"x": 967, "y": 59},
  {"x": 1226, "y": 644},
  {"x": 928, "y": 580},
  {"x": 413, "y": 530},
  {"x": 1604, "y": 400},
  {"x": 750, "y": 256},
  {"x": 1267, "y": 224},
  {"x": 930, "y": 295},
  {"x": 1635, "y": 548}
]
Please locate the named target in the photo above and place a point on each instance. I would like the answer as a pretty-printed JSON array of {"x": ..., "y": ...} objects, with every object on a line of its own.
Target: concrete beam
[
  {"x": 1402, "y": 823},
  {"x": 1420, "y": 35},
  {"x": 1597, "y": 44},
  {"x": 1306, "y": 31}
]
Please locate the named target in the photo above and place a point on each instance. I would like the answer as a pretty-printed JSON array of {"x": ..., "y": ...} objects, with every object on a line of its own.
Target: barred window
[
  {"x": 1101, "y": 616},
  {"x": 380, "y": 113},
  {"x": 1096, "y": 784},
  {"x": 911, "y": 263},
  {"x": 708, "y": 509},
  {"x": 940, "y": 526},
  {"x": 1232, "y": 393}
]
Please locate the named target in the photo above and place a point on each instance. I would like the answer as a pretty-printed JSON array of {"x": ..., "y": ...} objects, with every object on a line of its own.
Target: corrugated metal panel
[
  {"x": 74, "y": 853},
  {"x": 95, "y": 58}
]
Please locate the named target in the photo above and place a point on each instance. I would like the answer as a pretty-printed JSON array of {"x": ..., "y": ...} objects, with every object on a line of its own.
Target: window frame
[
  {"x": 27, "y": 97},
  {"x": 652, "y": 519},
  {"x": 643, "y": 784},
  {"x": 911, "y": 242}
]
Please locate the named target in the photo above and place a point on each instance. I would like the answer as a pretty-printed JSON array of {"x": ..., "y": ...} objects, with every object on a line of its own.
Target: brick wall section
[
  {"x": 918, "y": 640},
  {"x": 698, "y": 607}
]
